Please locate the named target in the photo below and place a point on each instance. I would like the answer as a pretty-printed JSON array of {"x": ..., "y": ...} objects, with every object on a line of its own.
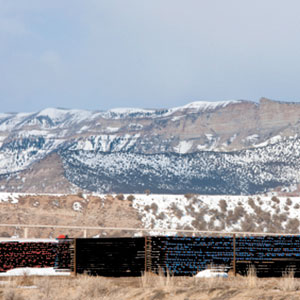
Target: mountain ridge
[{"x": 207, "y": 133}]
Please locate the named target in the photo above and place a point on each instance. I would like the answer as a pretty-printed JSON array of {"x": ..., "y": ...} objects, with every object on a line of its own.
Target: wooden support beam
[
  {"x": 75, "y": 258},
  {"x": 26, "y": 232},
  {"x": 148, "y": 259},
  {"x": 234, "y": 255},
  {"x": 146, "y": 253}
]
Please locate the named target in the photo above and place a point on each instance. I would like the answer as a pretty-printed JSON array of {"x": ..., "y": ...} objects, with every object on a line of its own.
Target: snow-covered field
[
  {"x": 222, "y": 213},
  {"x": 14, "y": 197}
]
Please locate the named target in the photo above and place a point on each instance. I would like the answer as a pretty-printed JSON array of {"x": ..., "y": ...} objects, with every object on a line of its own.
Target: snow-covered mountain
[{"x": 232, "y": 147}]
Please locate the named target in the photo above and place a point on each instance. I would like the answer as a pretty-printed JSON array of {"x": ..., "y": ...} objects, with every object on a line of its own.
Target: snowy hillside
[
  {"x": 170, "y": 213},
  {"x": 258, "y": 213},
  {"x": 250, "y": 171}
]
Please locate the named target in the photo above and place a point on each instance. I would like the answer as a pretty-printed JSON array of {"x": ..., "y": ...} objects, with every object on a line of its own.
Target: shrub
[
  {"x": 288, "y": 281},
  {"x": 177, "y": 211},
  {"x": 56, "y": 203},
  {"x": 292, "y": 226},
  {"x": 188, "y": 196},
  {"x": 251, "y": 203},
  {"x": 230, "y": 218},
  {"x": 199, "y": 224},
  {"x": 264, "y": 216},
  {"x": 282, "y": 217},
  {"x": 161, "y": 216},
  {"x": 235, "y": 215},
  {"x": 238, "y": 212},
  {"x": 80, "y": 194},
  {"x": 147, "y": 192},
  {"x": 288, "y": 201},
  {"x": 130, "y": 198},
  {"x": 275, "y": 199},
  {"x": 154, "y": 208},
  {"x": 187, "y": 227},
  {"x": 221, "y": 226},
  {"x": 274, "y": 225},
  {"x": 10, "y": 294},
  {"x": 120, "y": 197},
  {"x": 211, "y": 224},
  {"x": 259, "y": 201},
  {"x": 262, "y": 219},
  {"x": 4, "y": 234},
  {"x": 251, "y": 276},
  {"x": 93, "y": 288},
  {"x": 25, "y": 280},
  {"x": 195, "y": 199},
  {"x": 297, "y": 206},
  {"x": 220, "y": 216},
  {"x": 190, "y": 209},
  {"x": 247, "y": 224},
  {"x": 223, "y": 205},
  {"x": 109, "y": 197},
  {"x": 213, "y": 212}
]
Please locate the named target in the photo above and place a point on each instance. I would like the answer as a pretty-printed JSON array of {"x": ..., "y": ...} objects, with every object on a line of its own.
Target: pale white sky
[{"x": 100, "y": 54}]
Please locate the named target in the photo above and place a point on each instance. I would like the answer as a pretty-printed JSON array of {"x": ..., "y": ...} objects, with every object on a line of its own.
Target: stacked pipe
[
  {"x": 110, "y": 256},
  {"x": 34, "y": 254}
]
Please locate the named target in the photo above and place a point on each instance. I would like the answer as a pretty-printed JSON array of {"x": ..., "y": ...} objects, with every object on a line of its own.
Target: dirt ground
[
  {"x": 150, "y": 287},
  {"x": 75, "y": 210}
]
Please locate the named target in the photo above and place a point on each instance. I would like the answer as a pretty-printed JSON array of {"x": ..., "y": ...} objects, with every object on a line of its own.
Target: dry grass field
[{"x": 151, "y": 287}]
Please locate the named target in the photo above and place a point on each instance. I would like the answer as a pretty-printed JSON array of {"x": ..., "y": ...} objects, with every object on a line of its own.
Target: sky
[{"x": 102, "y": 54}]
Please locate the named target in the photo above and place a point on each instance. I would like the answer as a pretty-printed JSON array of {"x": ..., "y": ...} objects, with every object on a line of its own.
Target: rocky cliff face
[{"x": 203, "y": 147}]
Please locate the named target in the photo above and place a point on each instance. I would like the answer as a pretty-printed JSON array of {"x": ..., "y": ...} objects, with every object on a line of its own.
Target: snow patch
[
  {"x": 211, "y": 273},
  {"x": 33, "y": 272},
  {"x": 202, "y": 106},
  {"x": 118, "y": 113},
  {"x": 23, "y": 240},
  {"x": 77, "y": 206},
  {"x": 83, "y": 128},
  {"x": 273, "y": 140},
  {"x": 202, "y": 147},
  {"x": 232, "y": 138},
  {"x": 53, "y": 113},
  {"x": 112, "y": 129},
  {"x": 252, "y": 138},
  {"x": 174, "y": 119},
  {"x": 128, "y": 110},
  {"x": 9, "y": 197},
  {"x": 183, "y": 147}
]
